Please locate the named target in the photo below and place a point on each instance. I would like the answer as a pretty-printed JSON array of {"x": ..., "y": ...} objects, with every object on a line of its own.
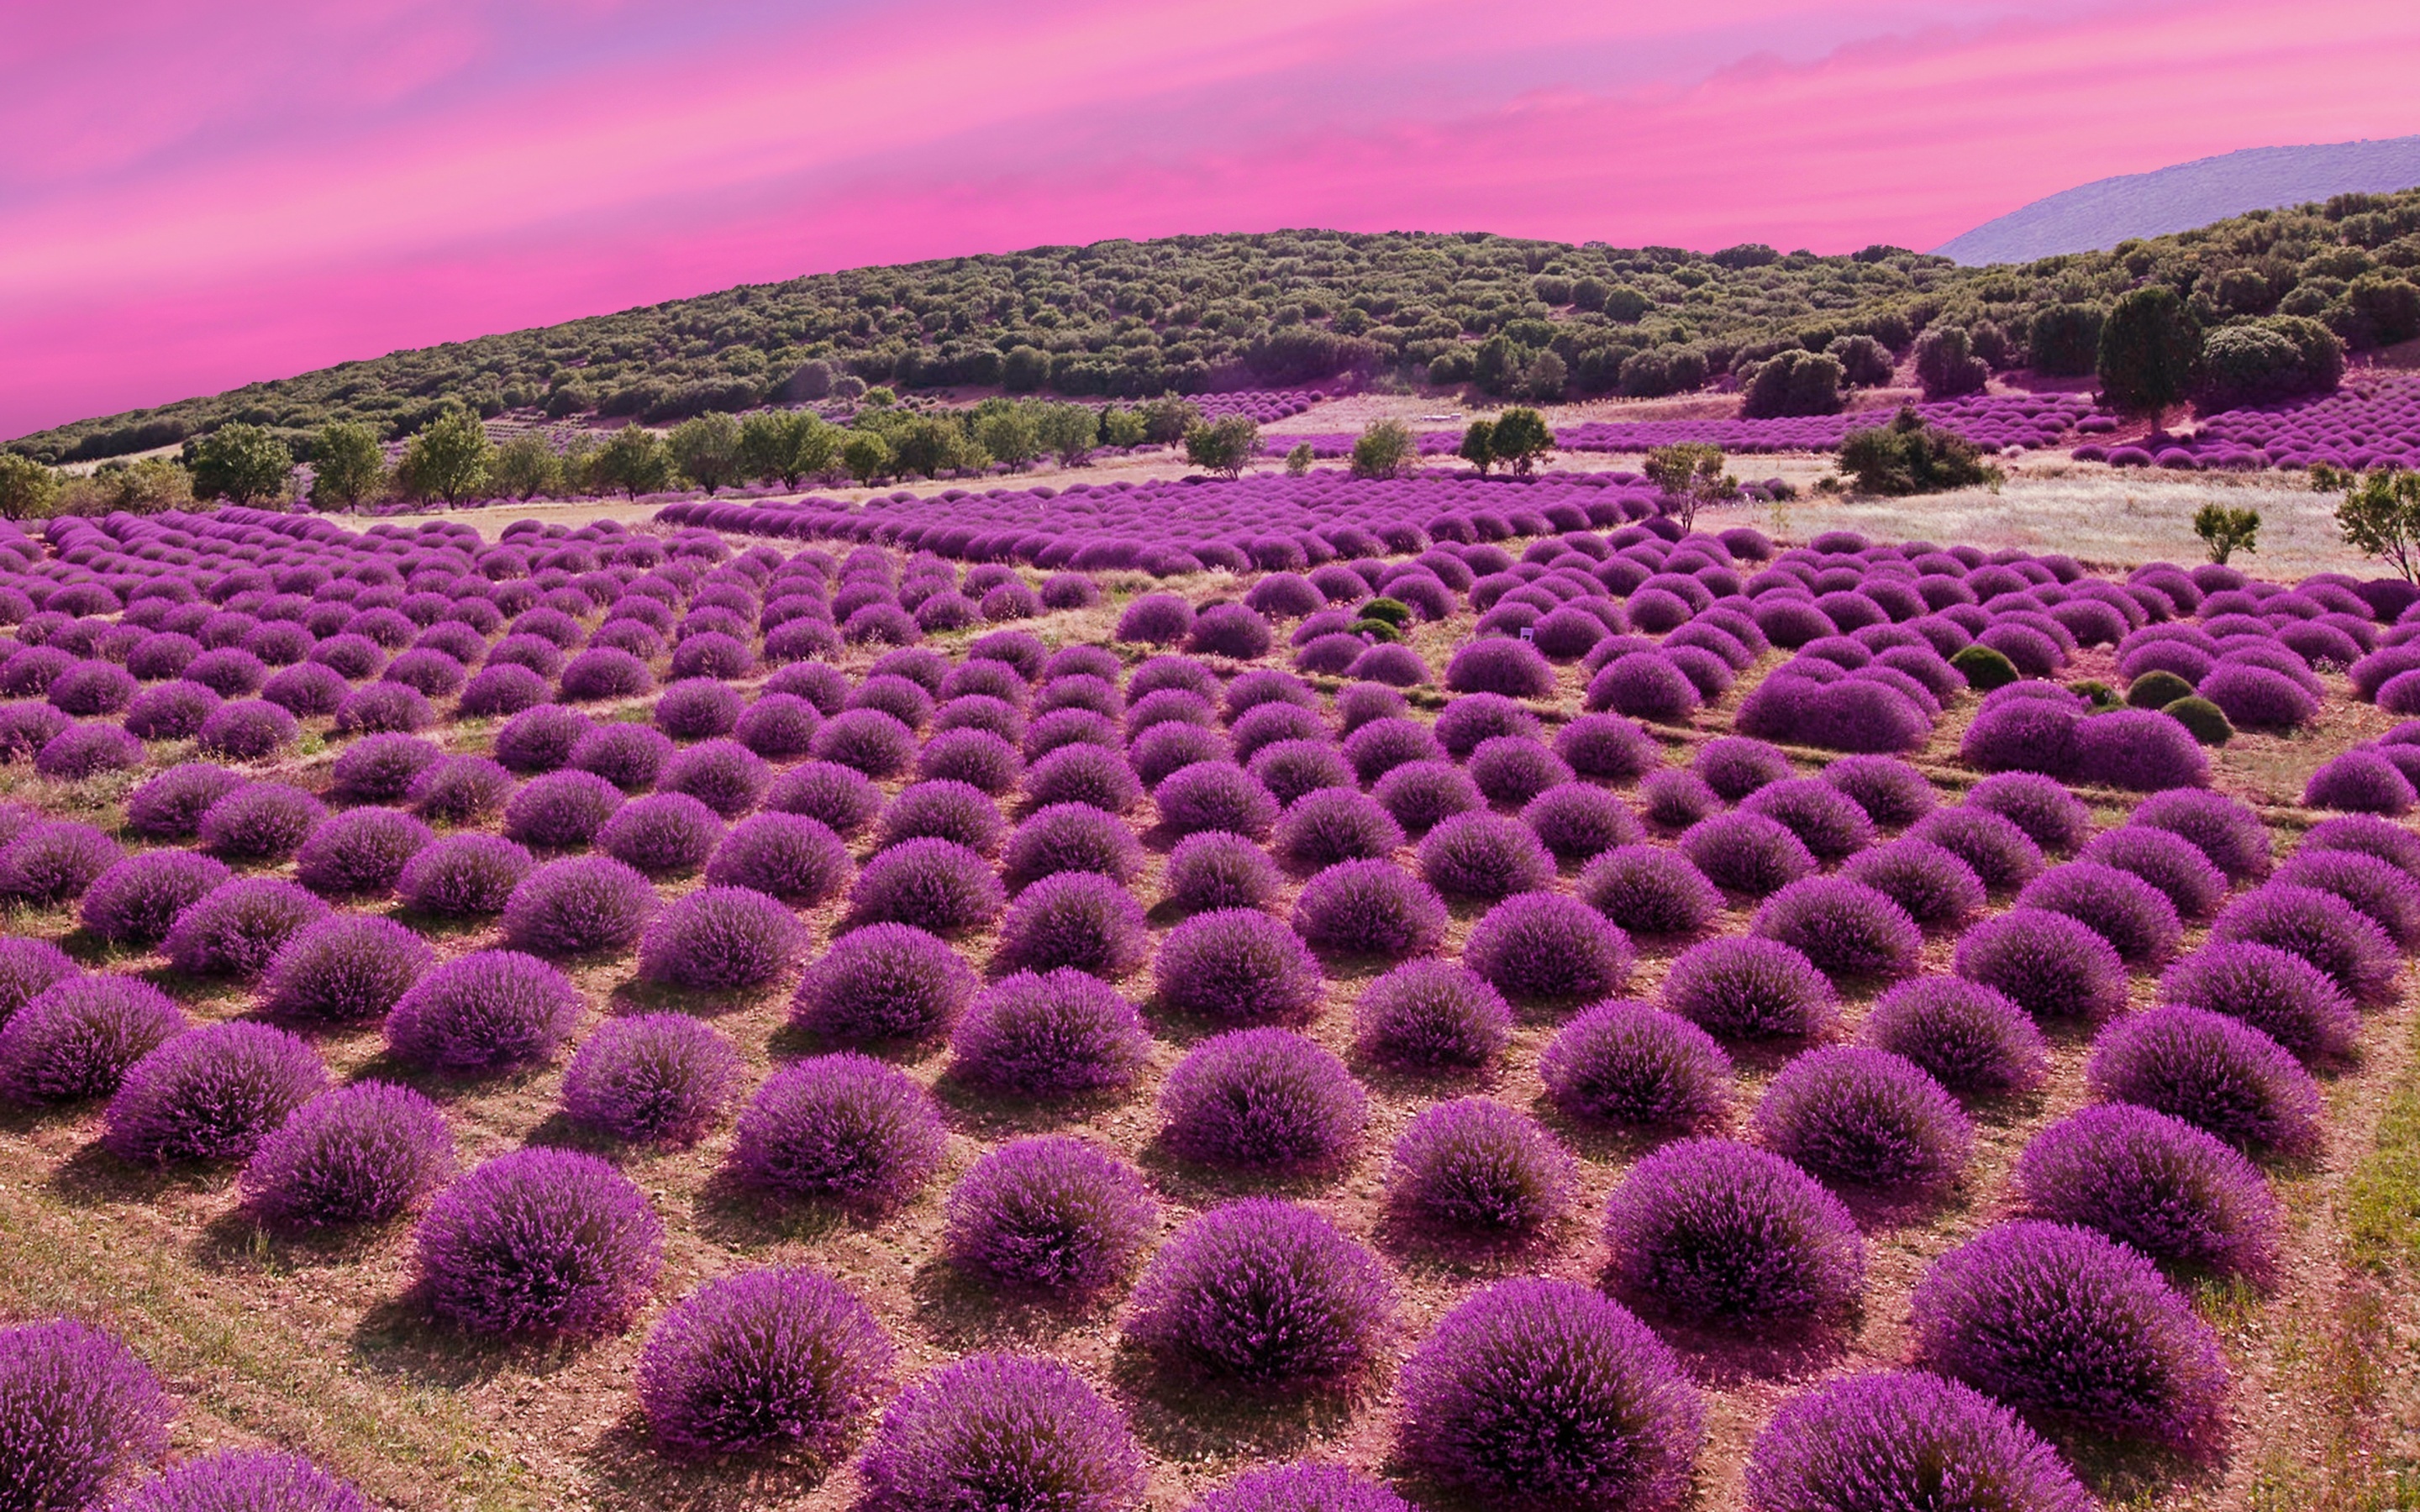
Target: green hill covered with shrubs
[{"x": 1517, "y": 318}]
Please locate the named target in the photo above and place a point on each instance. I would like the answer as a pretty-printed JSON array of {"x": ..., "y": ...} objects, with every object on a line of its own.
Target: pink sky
[{"x": 198, "y": 197}]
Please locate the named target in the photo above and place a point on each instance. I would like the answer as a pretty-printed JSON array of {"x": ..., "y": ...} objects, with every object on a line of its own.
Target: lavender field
[{"x": 1283, "y": 993}]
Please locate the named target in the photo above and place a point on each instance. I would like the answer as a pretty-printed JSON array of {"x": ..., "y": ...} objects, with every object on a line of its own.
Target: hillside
[
  {"x": 2097, "y": 216},
  {"x": 1542, "y": 320}
]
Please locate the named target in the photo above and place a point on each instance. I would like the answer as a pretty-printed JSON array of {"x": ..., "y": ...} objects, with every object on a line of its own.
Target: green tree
[
  {"x": 145, "y": 486},
  {"x": 26, "y": 486},
  {"x": 526, "y": 467},
  {"x": 2225, "y": 530},
  {"x": 1908, "y": 457},
  {"x": 447, "y": 460},
  {"x": 2150, "y": 347},
  {"x": 346, "y": 465},
  {"x": 1165, "y": 420},
  {"x": 1793, "y": 382},
  {"x": 1385, "y": 449},
  {"x": 2380, "y": 516},
  {"x": 931, "y": 445},
  {"x": 1521, "y": 441},
  {"x": 1689, "y": 477},
  {"x": 1069, "y": 432},
  {"x": 243, "y": 464},
  {"x": 1298, "y": 461},
  {"x": 1123, "y": 428},
  {"x": 768, "y": 439},
  {"x": 1478, "y": 446},
  {"x": 1010, "y": 435},
  {"x": 1225, "y": 446},
  {"x": 865, "y": 456},
  {"x": 707, "y": 449},
  {"x": 633, "y": 460}
]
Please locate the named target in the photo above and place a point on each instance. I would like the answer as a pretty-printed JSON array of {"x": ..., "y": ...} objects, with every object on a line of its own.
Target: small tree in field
[
  {"x": 1225, "y": 446},
  {"x": 526, "y": 467},
  {"x": 2150, "y": 348},
  {"x": 1908, "y": 457},
  {"x": 1521, "y": 441},
  {"x": 1165, "y": 420},
  {"x": 1298, "y": 461},
  {"x": 1478, "y": 446},
  {"x": 243, "y": 464},
  {"x": 865, "y": 456},
  {"x": 1690, "y": 477},
  {"x": 2225, "y": 530},
  {"x": 707, "y": 450},
  {"x": 633, "y": 460},
  {"x": 26, "y": 486},
  {"x": 782, "y": 444},
  {"x": 2380, "y": 515},
  {"x": 448, "y": 460},
  {"x": 1010, "y": 435},
  {"x": 346, "y": 465},
  {"x": 1385, "y": 449},
  {"x": 1069, "y": 432}
]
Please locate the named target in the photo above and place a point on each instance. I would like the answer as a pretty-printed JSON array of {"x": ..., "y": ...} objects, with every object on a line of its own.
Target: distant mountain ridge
[{"x": 2097, "y": 216}]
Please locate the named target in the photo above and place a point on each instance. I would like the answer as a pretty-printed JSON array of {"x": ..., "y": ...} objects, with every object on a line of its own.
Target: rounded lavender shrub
[
  {"x": 1609, "y": 746},
  {"x": 1857, "y": 1114},
  {"x": 382, "y": 768},
  {"x": 955, "y": 812},
  {"x": 1996, "y": 851},
  {"x": 1826, "y": 821},
  {"x": 135, "y": 900},
  {"x": 539, "y": 1241},
  {"x": 1547, "y": 945},
  {"x": 1426, "y": 1015},
  {"x": 1334, "y": 824},
  {"x": 78, "y": 1411},
  {"x": 1382, "y": 745},
  {"x": 501, "y": 689},
  {"x": 307, "y": 690},
  {"x": 698, "y": 708},
  {"x": 2167, "y": 861},
  {"x": 2276, "y": 992},
  {"x": 257, "y": 1479},
  {"x": 541, "y": 739},
  {"x": 1484, "y": 855},
  {"x": 2156, "y": 1182},
  {"x": 785, "y": 855},
  {"x": 602, "y": 673},
  {"x": 1845, "y": 928},
  {"x": 239, "y": 927},
  {"x": 885, "y": 981},
  {"x": 2135, "y": 917},
  {"x": 361, "y": 852},
  {"x": 1161, "y": 619},
  {"x": 652, "y": 1078},
  {"x": 1264, "y": 1294},
  {"x": 1420, "y": 796},
  {"x": 2052, "y": 817},
  {"x": 1891, "y": 793},
  {"x": 1495, "y": 665},
  {"x": 1546, "y": 1392},
  {"x": 170, "y": 806},
  {"x": 1370, "y": 908},
  {"x": 839, "y": 797},
  {"x": 2215, "y": 1072},
  {"x": 2046, "y": 963},
  {"x": 1049, "y": 1035},
  {"x": 76, "y": 1038},
  {"x": 1213, "y": 794},
  {"x": 51, "y": 862},
  {"x": 2383, "y": 892},
  {"x": 2319, "y": 927},
  {"x": 346, "y": 969},
  {"x": 775, "y": 1356},
  {"x": 1905, "y": 1439},
  {"x": 379, "y": 706},
  {"x": 27, "y": 967},
  {"x": 1735, "y": 766},
  {"x": 721, "y": 939},
  {"x": 249, "y": 730},
  {"x": 580, "y": 906},
  {"x": 487, "y": 1009},
  {"x": 1009, "y": 1433},
  {"x": 1713, "y": 1229},
  {"x": 1650, "y": 890},
  {"x": 723, "y": 775},
  {"x": 2063, "y": 1322},
  {"x": 663, "y": 834},
  {"x": 1968, "y": 1036},
  {"x": 1071, "y": 836},
  {"x": 933, "y": 885},
  {"x": 2367, "y": 835},
  {"x": 1578, "y": 821},
  {"x": 210, "y": 1094},
  {"x": 1515, "y": 769},
  {"x": 1748, "y": 853},
  {"x": 87, "y": 751},
  {"x": 172, "y": 711},
  {"x": 1083, "y": 774},
  {"x": 464, "y": 876},
  {"x": 845, "y": 1129},
  {"x": 1628, "y": 1064},
  {"x": 1477, "y": 1168},
  {"x": 1930, "y": 885},
  {"x": 1214, "y": 871},
  {"x": 2223, "y": 828},
  {"x": 258, "y": 821},
  {"x": 560, "y": 810},
  {"x": 1236, "y": 965},
  {"x": 1050, "y": 1214},
  {"x": 1742, "y": 987},
  {"x": 1262, "y": 1098},
  {"x": 1077, "y": 919},
  {"x": 359, "y": 1154},
  {"x": 1302, "y": 1487}
]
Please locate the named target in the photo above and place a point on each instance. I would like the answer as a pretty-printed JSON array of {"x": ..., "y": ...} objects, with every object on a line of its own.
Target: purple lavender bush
[
  {"x": 136, "y": 899},
  {"x": 1742, "y": 987},
  {"x": 783, "y": 1355},
  {"x": 652, "y": 1078},
  {"x": 238, "y": 927},
  {"x": 1013, "y": 1433},
  {"x": 1476, "y": 1168},
  {"x": 464, "y": 876},
  {"x": 932, "y": 884},
  {"x": 359, "y": 1154},
  {"x": 1905, "y": 1439},
  {"x": 884, "y": 982},
  {"x": 721, "y": 939},
  {"x": 1630, "y": 1065},
  {"x": 2216, "y": 1072},
  {"x": 1549, "y": 946},
  {"x": 539, "y": 1241},
  {"x": 1716, "y": 1230},
  {"x": 1845, "y": 928},
  {"x": 1263, "y": 1293},
  {"x": 2275, "y": 991},
  {"x": 78, "y": 1411},
  {"x": 1237, "y": 966},
  {"x": 2155, "y": 1183},
  {"x": 2046, "y": 963},
  {"x": 583, "y": 905},
  {"x": 1262, "y": 1098},
  {"x": 76, "y": 1038},
  {"x": 844, "y": 1129},
  {"x": 1968, "y": 1036},
  {"x": 487, "y": 1010},
  {"x": 1049, "y": 1035},
  {"x": 1077, "y": 919},
  {"x": 1855, "y": 1115},
  {"x": 1426, "y": 1015},
  {"x": 1050, "y": 1215}
]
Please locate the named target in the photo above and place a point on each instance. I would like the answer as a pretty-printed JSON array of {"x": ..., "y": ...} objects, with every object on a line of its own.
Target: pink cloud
[{"x": 292, "y": 184}]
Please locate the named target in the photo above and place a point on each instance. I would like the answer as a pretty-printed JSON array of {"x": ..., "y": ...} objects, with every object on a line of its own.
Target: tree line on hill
[{"x": 1512, "y": 319}]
